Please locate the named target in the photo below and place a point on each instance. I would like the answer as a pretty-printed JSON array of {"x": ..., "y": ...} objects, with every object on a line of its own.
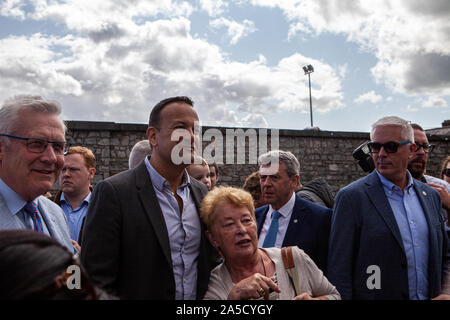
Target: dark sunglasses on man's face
[
  {"x": 446, "y": 172},
  {"x": 389, "y": 147}
]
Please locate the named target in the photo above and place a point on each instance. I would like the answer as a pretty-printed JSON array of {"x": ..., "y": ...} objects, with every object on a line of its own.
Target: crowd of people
[{"x": 167, "y": 230}]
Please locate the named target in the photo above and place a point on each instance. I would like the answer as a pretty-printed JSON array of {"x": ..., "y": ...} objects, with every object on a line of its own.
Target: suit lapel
[
  {"x": 376, "y": 194},
  {"x": 425, "y": 202},
  {"x": 196, "y": 194},
  {"x": 152, "y": 209},
  {"x": 297, "y": 215},
  {"x": 261, "y": 218},
  {"x": 49, "y": 220}
]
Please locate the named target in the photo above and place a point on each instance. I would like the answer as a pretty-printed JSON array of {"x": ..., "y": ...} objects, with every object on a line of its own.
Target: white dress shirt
[{"x": 283, "y": 222}]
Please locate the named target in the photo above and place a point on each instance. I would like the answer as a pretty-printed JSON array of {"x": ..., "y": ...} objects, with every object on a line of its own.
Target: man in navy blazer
[
  {"x": 387, "y": 238},
  {"x": 301, "y": 223}
]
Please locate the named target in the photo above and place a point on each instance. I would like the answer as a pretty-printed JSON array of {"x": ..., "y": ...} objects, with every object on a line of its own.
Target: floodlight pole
[
  {"x": 310, "y": 99},
  {"x": 308, "y": 70}
]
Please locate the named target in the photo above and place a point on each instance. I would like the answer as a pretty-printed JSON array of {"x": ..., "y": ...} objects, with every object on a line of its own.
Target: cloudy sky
[{"x": 241, "y": 61}]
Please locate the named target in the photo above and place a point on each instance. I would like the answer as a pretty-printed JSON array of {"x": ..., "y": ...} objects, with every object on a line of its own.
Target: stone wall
[{"x": 321, "y": 153}]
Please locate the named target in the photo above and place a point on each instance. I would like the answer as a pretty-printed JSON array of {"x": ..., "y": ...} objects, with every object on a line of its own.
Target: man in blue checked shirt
[{"x": 75, "y": 181}]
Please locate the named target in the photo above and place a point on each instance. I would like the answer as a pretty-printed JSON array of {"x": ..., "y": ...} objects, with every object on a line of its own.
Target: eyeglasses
[
  {"x": 39, "y": 145},
  {"x": 426, "y": 147},
  {"x": 389, "y": 147},
  {"x": 446, "y": 172}
]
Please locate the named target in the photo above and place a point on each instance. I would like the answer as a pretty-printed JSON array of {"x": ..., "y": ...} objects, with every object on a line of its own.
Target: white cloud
[
  {"x": 410, "y": 108},
  {"x": 87, "y": 16},
  {"x": 408, "y": 37},
  {"x": 370, "y": 96},
  {"x": 214, "y": 7},
  {"x": 434, "y": 101},
  {"x": 12, "y": 8},
  {"x": 116, "y": 66},
  {"x": 235, "y": 30}
]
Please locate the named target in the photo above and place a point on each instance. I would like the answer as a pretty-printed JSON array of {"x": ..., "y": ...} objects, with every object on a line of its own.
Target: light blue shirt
[
  {"x": 283, "y": 222},
  {"x": 184, "y": 231},
  {"x": 75, "y": 217},
  {"x": 15, "y": 204},
  {"x": 413, "y": 227}
]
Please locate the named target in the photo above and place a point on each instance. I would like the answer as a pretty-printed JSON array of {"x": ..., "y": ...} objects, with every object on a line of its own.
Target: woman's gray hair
[
  {"x": 280, "y": 156},
  {"x": 407, "y": 131},
  {"x": 11, "y": 108}
]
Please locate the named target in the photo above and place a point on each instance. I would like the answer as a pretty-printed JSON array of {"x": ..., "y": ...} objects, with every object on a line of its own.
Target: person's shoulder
[
  {"x": 123, "y": 179},
  {"x": 359, "y": 185},
  {"x": 438, "y": 181},
  {"x": 48, "y": 205},
  {"x": 425, "y": 189},
  {"x": 313, "y": 207},
  {"x": 261, "y": 210},
  {"x": 300, "y": 256},
  {"x": 198, "y": 185}
]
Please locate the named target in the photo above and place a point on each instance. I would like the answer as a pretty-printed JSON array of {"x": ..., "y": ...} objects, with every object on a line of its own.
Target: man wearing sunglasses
[
  {"x": 417, "y": 166},
  {"x": 387, "y": 238},
  {"x": 32, "y": 144}
]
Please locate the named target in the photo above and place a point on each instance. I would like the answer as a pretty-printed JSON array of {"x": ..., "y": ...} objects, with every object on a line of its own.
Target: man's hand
[
  {"x": 445, "y": 195},
  {"x": 76, "y": 246}
]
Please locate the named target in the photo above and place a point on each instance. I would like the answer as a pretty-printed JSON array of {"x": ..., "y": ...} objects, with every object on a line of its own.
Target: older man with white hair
[{"x": 32, "y": 145}]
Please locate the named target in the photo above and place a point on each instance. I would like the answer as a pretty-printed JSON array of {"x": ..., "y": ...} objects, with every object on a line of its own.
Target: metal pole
[{"x": 310, "y": 99}]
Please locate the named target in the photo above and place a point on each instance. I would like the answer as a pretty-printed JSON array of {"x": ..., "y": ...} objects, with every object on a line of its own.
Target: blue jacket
[
  {"x": 311, "y": 231},
  {"x": 364, "y": 232}
]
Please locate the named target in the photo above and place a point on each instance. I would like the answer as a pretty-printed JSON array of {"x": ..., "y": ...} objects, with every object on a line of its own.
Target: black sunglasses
[
  {"x": 426, "y": 147},
  {"x": 446, "y": 172},
  {"x": 389, "y": 147}
]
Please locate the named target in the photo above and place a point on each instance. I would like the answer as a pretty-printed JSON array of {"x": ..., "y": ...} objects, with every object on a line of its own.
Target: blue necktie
[
  {"x": 31, "y": 209},
  {"x": 271, "y": 235}
]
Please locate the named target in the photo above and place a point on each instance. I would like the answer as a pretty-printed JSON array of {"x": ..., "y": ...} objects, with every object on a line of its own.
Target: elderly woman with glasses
[{"x": 249, "y": 272}]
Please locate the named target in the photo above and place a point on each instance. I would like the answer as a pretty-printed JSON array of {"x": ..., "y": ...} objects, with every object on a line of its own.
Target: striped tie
[{"x": 31, "y": 209}]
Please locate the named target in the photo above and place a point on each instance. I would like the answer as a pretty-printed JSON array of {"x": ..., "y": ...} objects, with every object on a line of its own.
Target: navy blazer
[
  {"x": 309, "y": 229},
  {"x": 364, "y": 232}
]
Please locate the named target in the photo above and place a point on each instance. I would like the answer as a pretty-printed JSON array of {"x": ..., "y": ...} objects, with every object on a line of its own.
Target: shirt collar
[
  {"x": 85, "y": 200},
  {"x": 14, "y": 202},
  {"x": 285, "y": 210},
  {"x": 159, "y": 182},
  {"x": 390, "y": 186}
]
